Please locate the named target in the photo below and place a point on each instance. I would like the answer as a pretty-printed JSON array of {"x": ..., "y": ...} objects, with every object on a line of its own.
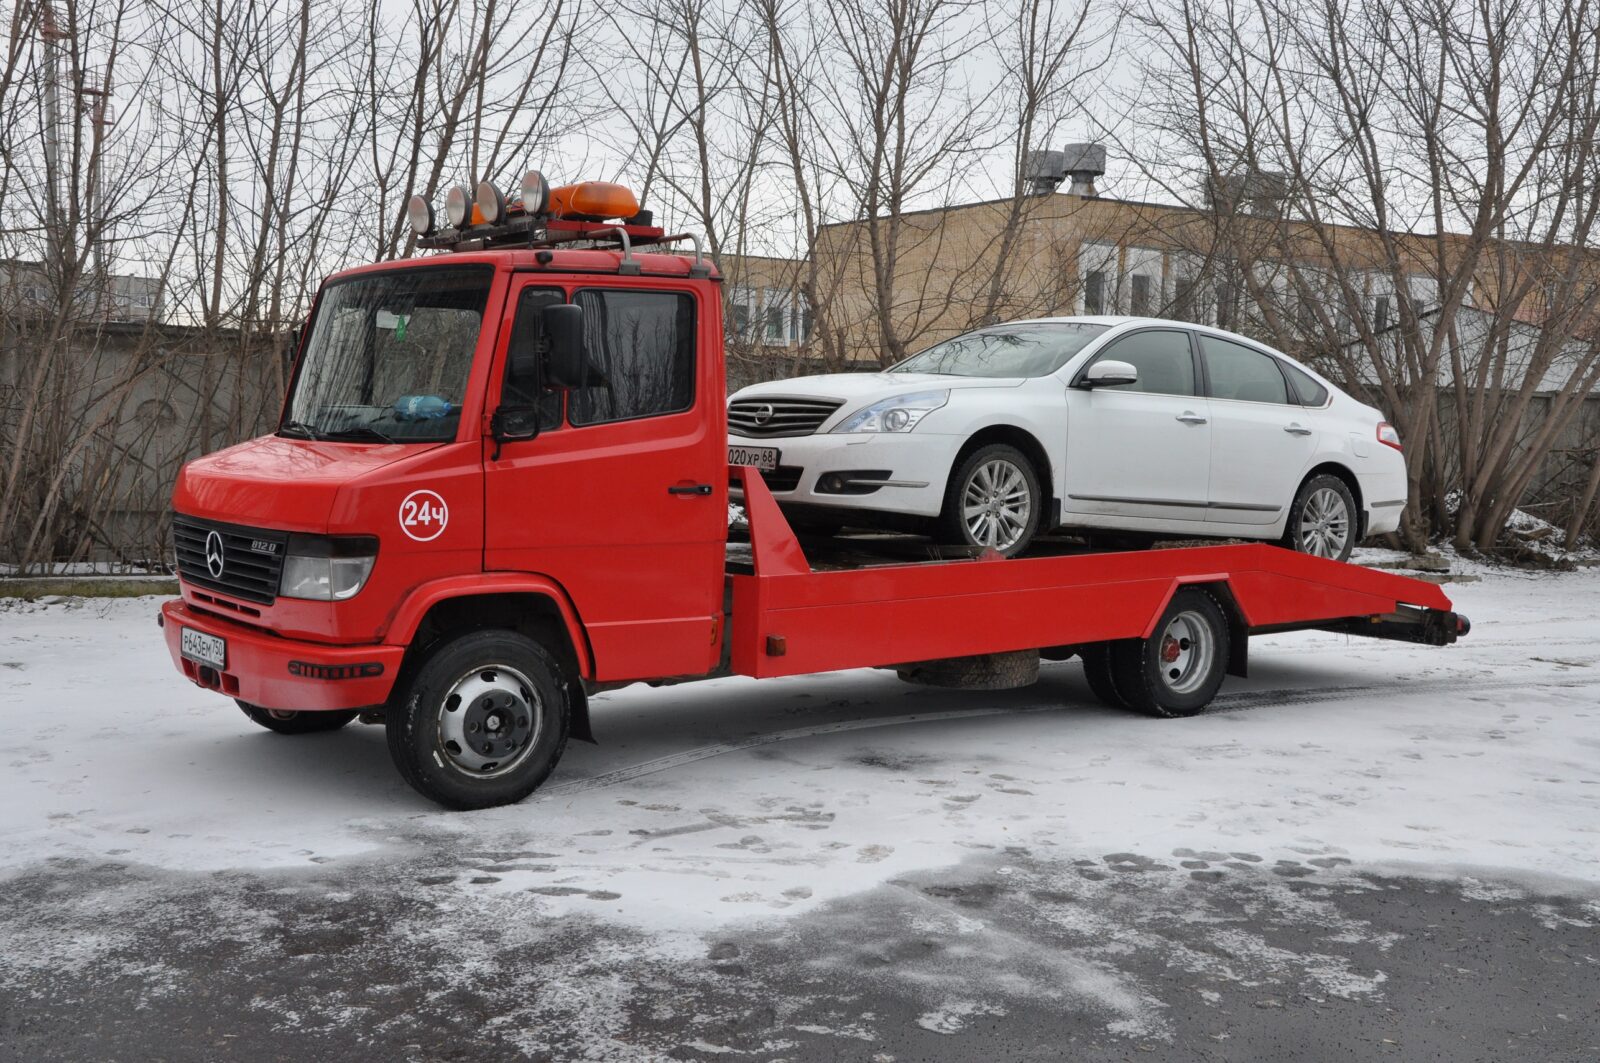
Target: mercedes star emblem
[{"x": 214, "y": 556}]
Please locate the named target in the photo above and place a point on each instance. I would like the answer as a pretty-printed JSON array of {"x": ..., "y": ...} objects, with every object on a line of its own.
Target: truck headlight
[
  {"x": 899, "y": 414},
  {"x": 327, "y": 568}
]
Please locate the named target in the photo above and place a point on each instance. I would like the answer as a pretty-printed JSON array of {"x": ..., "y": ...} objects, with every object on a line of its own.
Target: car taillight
[{"x": 1389, "y": 435}]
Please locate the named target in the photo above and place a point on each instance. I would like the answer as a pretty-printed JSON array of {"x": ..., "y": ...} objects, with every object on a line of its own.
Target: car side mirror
[
  {"x": 566, "y": 362},
  {"x": 513, "y": 424},
  {"x": 1109, "y": 373}
]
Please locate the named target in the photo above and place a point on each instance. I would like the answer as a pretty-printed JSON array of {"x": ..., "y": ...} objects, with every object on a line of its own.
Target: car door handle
[
  {"x": 1294, "y": 428},
  {"x": 1190, "y": 417},
  {"x": 689, "y": 489}
]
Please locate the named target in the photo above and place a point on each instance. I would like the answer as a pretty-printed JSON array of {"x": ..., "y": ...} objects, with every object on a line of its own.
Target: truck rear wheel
[
  {"x": 1102, "y": 680},
  {"x": 1178, "y": 669},
  {"x": 481, "y": 721},
  {"x": 288, "y": 722}
]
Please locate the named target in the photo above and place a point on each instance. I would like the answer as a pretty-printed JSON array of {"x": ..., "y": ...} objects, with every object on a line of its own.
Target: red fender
[{"x": 416, "y": 605}]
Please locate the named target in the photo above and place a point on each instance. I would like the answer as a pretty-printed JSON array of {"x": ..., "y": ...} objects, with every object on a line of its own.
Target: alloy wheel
[
  {"x": 1324, "y": 524},
  {"x": 996, "y": 504}
]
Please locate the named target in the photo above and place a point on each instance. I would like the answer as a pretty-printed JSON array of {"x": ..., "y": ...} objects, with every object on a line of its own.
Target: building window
[
  {"x": 1140, "y": 291},
  {"x": 1183, "y": 308},
  {"x": 1380, "y": 313},
  {"x": 741, "y": 319},
  {"x": 1094, "y": 292},
  {"x": 805, "y": 324},
  {"x": 774, "y": 323}
]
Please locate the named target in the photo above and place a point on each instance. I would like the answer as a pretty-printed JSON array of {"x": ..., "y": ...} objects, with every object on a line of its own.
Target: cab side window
[
  {"x": 1162, "y": 357},
  {"x": 524, "y": 383},
  {"x": 1240, "y": 373},
  {"x": 640, "y": 347}
]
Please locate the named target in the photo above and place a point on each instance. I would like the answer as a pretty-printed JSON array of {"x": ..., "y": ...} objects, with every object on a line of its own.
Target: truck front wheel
[
  {"x": 288, "y": 722},
  {"x": 481, "y": 721}
]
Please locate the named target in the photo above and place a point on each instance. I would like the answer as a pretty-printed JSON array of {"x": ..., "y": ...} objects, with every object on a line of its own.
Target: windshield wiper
[
  {"x": 298, "y": 430},
  {"x": 360, "y": 431}
]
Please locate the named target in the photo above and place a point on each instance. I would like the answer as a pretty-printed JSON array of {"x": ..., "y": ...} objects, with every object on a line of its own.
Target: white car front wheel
[{"x": 993, "y": 501}]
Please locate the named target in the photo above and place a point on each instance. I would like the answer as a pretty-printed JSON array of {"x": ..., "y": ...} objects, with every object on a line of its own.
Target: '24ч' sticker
[{"x": 423, "y": 515}]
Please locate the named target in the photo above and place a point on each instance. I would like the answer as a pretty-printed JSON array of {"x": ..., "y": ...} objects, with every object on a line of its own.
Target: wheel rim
[
  {"x": 1185, "y": 652},
  {"x": 1324, "y": 523},
  {"x": 996, "y": 504},
  {"x": 489, "y": 721}
]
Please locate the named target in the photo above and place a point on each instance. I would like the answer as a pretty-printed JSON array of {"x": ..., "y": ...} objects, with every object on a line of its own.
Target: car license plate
[
  {"x": 763, "y": 458},
  {"x": 207, "y": 649}
]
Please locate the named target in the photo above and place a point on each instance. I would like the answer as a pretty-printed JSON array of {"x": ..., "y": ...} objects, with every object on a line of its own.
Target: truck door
[{"x": 622, "y": 497}]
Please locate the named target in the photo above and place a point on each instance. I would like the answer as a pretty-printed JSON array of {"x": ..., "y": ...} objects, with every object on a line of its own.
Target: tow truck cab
[{"x": 500, "y": 480}]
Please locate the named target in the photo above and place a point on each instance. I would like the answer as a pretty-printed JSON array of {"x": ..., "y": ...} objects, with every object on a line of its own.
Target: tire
[
  {"x": 1097, "y": 670},
  {"x": 495, "y": 686},
  {"x": 1178, "y": 669},
  {"x": 987, "y": 671},
  {"x": 1001, "y": 485},
  {"x": 1323, "y": 519},
  {"x": 285, "y": 722}
]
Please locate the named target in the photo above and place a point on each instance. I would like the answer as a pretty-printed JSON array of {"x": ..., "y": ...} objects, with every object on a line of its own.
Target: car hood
[
  {"x": 858, "y": 388},
  {"x": 274, "y": 482}
]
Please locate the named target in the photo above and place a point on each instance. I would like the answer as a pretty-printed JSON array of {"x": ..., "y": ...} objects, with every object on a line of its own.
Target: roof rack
[{"x": 522, "y": 231}]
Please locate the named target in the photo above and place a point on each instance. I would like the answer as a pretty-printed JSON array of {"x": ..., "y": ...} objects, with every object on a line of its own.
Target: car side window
[
  {"x": 1237, "y": 372},
  {"x": 641, "y": 349},
  {"x": 1306, "y": 389},
  {"x": 1162, "y": 358},
  {"x": 524, "y": 353}
]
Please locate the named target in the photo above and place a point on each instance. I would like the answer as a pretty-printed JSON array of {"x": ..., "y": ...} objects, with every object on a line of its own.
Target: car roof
[{"x": 1125, "y": 320}]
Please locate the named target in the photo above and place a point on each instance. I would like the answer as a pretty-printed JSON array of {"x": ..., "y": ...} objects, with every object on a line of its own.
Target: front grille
[
  {"x": 783, "y": 478},
  {"x": 766, "y": 418},
  {"x": 248, "y": 572}
]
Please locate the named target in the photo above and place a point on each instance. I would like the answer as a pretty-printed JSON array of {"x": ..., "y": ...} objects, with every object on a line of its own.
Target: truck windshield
[
  {"x": 388, "y": 356},
  {"x": 1022, "y": 350}
]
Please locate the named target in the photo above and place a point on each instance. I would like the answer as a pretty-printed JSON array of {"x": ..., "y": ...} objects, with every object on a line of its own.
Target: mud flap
[{"x": 578, "y": 725}]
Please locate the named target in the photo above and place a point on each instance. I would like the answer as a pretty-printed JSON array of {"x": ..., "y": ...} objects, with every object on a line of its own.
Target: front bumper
[
  {"x": 910, "y": 458},
  {"x": 278, "y": 673}
]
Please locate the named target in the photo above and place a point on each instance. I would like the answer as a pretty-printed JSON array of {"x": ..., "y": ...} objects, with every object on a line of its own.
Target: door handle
[
  {"x": 1190, "y": 417},
  {"x": 1294, "y": 428},
  {"x": 689, "y": 489}
]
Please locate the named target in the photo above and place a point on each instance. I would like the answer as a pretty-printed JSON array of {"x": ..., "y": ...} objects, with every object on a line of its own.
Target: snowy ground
[{"x": 1367, "y": 850}]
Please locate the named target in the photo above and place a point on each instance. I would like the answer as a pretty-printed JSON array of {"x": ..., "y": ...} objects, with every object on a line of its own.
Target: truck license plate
[
  {"x": 763, "y": 458},
  {"x": 207, "y": 649}
]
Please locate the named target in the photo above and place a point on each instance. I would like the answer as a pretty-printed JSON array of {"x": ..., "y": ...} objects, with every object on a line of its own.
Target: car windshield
[
  {"x": 1027, "y": 350},
  {"x": 388, "y": 356}
]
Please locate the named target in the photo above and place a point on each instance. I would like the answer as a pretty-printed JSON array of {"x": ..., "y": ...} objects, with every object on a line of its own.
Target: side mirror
[
  {"x": 566, "y": 363},
  {"x": 512, "y": 424},
  {"x": 1109, "y": 373}
]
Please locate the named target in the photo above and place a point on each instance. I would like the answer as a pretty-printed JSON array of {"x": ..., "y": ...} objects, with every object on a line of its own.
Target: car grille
[
  {"x": 783, "y": 478},
  {"x": 247, "y": 571},
  {"x": 766, "y": 418}
]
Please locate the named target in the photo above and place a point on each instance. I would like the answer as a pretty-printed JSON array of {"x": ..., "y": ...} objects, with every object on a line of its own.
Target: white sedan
[{"x": 1126, "y": 427}]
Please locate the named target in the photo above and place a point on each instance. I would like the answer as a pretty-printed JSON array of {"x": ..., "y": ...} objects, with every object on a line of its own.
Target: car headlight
[
  {"x": 327, "y": 568},
  {"x": 899, "y": 414}
]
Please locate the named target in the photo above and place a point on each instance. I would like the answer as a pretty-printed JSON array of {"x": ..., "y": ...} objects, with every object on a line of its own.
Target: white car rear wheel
[
  {"x": 993, "y": 501},
  {"x": 1323, "y": 520}
]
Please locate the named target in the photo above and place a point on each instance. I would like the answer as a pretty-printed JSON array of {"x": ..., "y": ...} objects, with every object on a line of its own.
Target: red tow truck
[{"x": 500, "y": 483}]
